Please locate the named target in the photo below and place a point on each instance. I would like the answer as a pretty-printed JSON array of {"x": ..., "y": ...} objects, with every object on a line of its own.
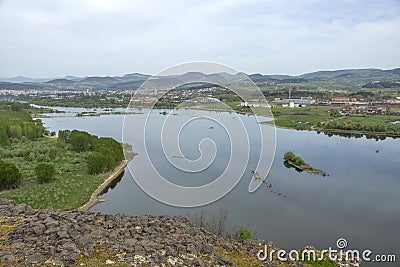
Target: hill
[{"x": 348, "y": 79}]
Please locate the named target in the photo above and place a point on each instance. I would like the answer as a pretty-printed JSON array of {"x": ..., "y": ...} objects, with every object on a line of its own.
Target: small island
[{"x": 297, "y": 162}]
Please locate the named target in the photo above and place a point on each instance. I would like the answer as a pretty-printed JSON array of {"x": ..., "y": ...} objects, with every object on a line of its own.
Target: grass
[
  {"x": 72, "y": 186},
  {"x": 99, "y": 258},
  {"x": 319, "y": 117},
  {"x": 323, "y": 263},
  {"x": 301, "y": 118}
]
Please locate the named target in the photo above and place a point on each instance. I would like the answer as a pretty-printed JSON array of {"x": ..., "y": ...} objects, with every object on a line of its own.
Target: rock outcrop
[{"x": 64, "y": 238}]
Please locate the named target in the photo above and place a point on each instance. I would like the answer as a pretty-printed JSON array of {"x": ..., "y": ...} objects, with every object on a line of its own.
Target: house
[
  {"x": 341, "y": 99},
  {"x": 301, "y": 102}
]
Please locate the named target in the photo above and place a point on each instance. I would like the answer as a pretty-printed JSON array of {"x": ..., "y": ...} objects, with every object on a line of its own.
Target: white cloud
[{"x": 55, "y": 38}]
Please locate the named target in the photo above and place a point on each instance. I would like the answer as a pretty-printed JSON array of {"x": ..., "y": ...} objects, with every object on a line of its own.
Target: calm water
[{"x": 359, "y": 201}]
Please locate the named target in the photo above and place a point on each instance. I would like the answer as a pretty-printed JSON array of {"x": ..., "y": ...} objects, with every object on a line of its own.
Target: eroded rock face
[{"x": 59, "y": 238}]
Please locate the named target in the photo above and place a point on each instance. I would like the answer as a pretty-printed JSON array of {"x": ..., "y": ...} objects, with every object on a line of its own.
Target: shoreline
[
  {"x": 94, "y": 197},
  {"x": 312, "y": 170},
  {"x": 271, "y": 123}
]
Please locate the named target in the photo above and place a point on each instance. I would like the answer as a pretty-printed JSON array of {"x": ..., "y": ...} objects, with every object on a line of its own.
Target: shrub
[
  {"x": 289, "y": 156},
  {"x": 10, "y": 176},
  {"x": 82, "y": 141},
  {"x": 96, "y": 163},
  {"x": 298, "y": 160},
  {"x": 44, "y": 172},
  {"x": 244, "y": 233}
]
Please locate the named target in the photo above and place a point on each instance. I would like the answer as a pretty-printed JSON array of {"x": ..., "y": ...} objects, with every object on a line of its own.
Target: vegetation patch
[
  {"x": 47, "y": 172},
  {"x": 297, "y": 162}
]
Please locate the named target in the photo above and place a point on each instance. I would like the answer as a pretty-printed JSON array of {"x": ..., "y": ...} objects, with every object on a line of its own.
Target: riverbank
[
  {"x": 94, "y": 197},
  {"x": 307, "y": 168}
]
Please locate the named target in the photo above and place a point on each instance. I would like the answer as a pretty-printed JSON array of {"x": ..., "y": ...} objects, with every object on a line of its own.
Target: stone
[
  {"x": 131, "y": 242},
  {"x": 109, "y": 262},
  {"x": 35, "y": 258},
  {"x": 207, "y": 249},
  {"x": 139, "y": 250},
  {"x": 62, "y": 234},
  {"x": 70, "y": 247},
  {"x": 38, "y": 229},
  {"x": 50, "y": 223}
]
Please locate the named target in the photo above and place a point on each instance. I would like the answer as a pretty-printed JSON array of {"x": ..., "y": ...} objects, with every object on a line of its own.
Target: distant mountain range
[{"x": 349, "y": 77}]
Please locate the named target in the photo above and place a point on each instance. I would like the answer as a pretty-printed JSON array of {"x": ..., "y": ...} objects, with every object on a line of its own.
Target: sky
[{"x": 46, "y": 38}]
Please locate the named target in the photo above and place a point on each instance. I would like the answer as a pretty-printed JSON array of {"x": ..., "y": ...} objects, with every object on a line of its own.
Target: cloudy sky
[{"x": 46, "y": 38}]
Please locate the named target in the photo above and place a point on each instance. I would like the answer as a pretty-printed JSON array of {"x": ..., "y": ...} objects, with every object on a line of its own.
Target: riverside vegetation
[
  {"x": 51, "y": 172},
  {"x": 297, "y": 162}
]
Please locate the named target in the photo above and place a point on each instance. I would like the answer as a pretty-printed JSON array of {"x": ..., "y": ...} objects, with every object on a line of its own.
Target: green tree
[
  {"x": 30, "y": 130},
  {"x": 244, "y": 233},
  {"x": 44, "y": 172},
  {"x": 10, "y": 176},
  {"x": 82, "y": 141},
  {"x": 15, "y": 131},
  {"x": 64, "y": 135},
  {"x": 298, "y": 161},
  {"x": 97, "y": 163},
  {"x": 289, "y": 156}
]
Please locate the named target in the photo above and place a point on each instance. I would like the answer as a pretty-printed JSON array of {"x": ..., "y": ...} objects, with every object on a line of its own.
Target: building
[
  {"x": 254, "y": 104},
  {"x": 341, "y": 99},
  {"x": 300, "y": 102}
]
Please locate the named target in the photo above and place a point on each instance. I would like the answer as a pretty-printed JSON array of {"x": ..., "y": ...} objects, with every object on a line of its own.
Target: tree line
[
  {"x": 17, "y": 127},
  {"x": 17, "y": 124}
]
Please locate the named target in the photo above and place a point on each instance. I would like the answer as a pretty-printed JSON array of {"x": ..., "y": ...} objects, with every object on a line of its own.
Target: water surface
[{"x": 359, "y": 201}]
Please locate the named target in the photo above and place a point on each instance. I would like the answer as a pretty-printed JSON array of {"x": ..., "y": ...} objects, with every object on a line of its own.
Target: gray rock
[
  {"x": 35, "y": 258},
  {"x": 130, "y": 242},
  {"x": 62, "y": 234},
  {"x": 50, "y": 222},
  {"x": 6, "y": 255},
  {"x": 207, "y": 249},
  {"x": 70, "y": 247},
  {"x": 139, "y": 250}
]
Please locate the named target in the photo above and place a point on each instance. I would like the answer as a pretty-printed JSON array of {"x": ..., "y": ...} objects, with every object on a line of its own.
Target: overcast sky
[{"x": 58, "y": 38}]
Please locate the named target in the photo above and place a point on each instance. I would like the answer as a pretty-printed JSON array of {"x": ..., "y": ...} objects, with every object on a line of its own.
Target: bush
[
  {"x": 10, "y": 176},
  {"x": 244, "y": 233},
  {"x": 15, "y": 131},
  {"x": 82, "y": 141},
  {"x": 97, "y": 163},
  {"x": 298, "y": 161},
  {"x": 289, "y": 156},
  {"x": 44, "y": 172}
]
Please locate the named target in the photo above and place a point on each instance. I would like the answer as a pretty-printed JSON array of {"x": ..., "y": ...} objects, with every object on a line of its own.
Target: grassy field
[
  {"x": 320, "y": 118},
  {"x": 72, "y": 186},
  {"x": 301, "y": 118}
]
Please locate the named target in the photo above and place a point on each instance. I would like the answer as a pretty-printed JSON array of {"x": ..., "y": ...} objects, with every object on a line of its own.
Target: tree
[
  {"x": 15, "y": 131},
  {"x": 82, "y": 141},
  {"x": 10, "y": 176},
  {"x": 97, "y": 163},
  {"x": 298, "y": 161},
  {"x": 30, "y": 130},
  {"x": 289, "y": 156},
  {"x": 44, "y": 172}
]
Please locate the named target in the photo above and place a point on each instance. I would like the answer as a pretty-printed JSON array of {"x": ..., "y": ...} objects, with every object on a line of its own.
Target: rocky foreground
[{"x": 31, "y": 237}]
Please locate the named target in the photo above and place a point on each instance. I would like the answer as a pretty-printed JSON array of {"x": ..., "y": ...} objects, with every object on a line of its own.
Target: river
[{"x": 358, "y": 201}]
